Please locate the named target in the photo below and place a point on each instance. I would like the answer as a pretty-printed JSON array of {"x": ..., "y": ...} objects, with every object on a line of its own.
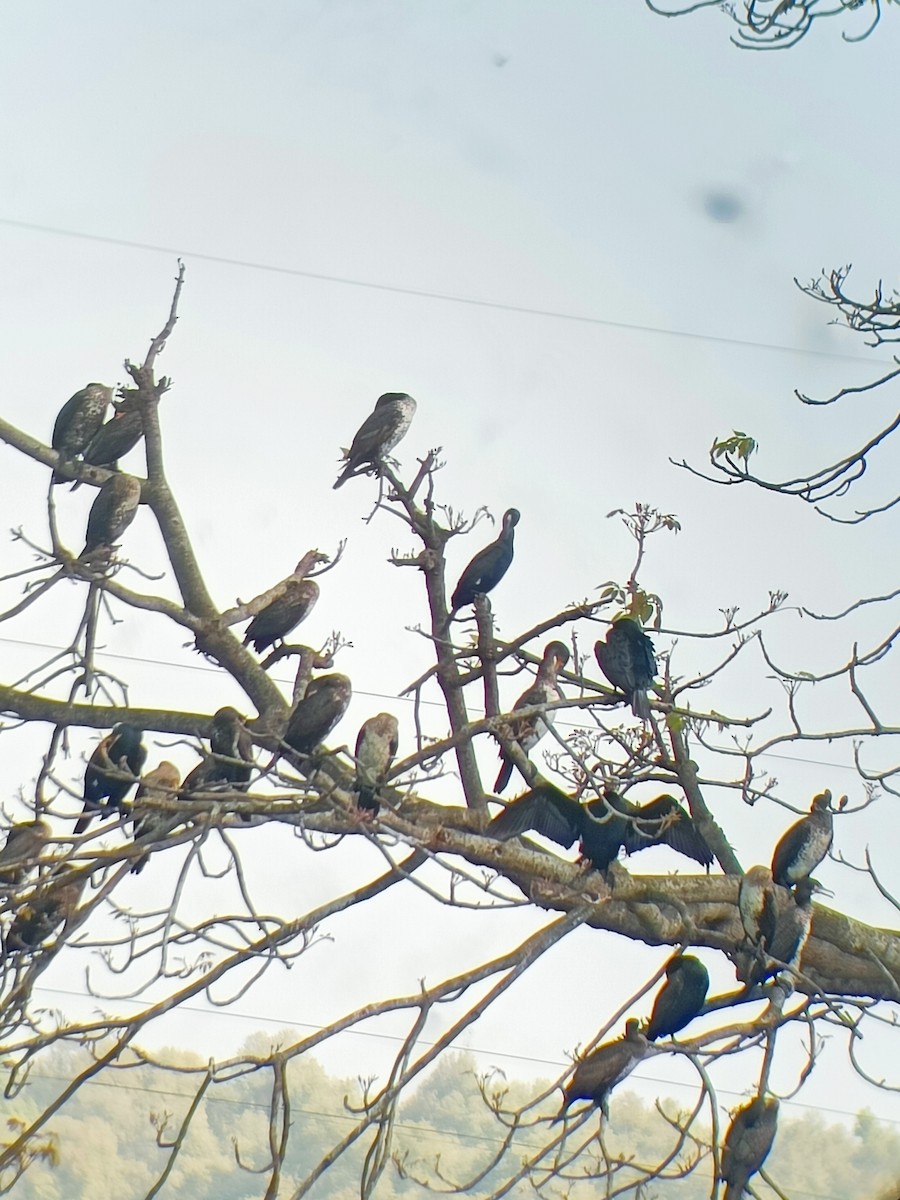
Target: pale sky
[{"x": 573, "y": 159}]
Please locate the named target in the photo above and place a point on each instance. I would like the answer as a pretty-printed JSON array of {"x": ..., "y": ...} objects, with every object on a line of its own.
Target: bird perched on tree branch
[
  {"x": 112, "y": 772},
  {"x": 378, "y": 435},
  {"x": 78, "y": 421},
  {"x": 376, "y": 747},
  {"x": 528, "y": 731},
  {"x": 628, "y": 661},
  {"x": 23, "y": 847},
  {"x": 680, "y": 998},
  {"x": 152, "y": 824},
  {"x": 802, "y": 847},
  {"x": 488, "y": 566},
  {"x": 598, "y": 1073},
  {"x": 747, "y": 1144},
  {"x": 274, "y": 622},
  {"x": 325, "y": 702},
  {"x": 113, "y": 510}
]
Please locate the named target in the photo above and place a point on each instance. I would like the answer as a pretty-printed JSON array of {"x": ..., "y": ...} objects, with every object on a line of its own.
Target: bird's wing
[{"x": 544, "y": 810}]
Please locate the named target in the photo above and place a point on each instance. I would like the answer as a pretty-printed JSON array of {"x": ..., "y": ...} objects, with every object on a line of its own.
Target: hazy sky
[{"x": 569, "y": 230}]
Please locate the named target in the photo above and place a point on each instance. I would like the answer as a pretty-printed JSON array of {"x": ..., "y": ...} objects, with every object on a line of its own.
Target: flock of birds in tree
[{"x": 775, "y": 903}]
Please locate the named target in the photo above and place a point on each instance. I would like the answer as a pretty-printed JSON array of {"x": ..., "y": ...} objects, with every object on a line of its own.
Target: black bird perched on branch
[
  {"x": 376, "y": 747},
  {"x": 150, "y": 824},
  {"x": 747, "y": 1144},
  {"x": 20, "y": 854},
  {"x": 604, "y": 826},
  {"x": 112, "y": 771},
  {"x": 77, "y": 422},
  {"x": 599, "y": 1072},
  {"x": 378, "y": 435},
  {"x": 274, "y": 622},
  {"x": 628, "y": 661},
  {"x": 790, "y": 933},
  {"x": 802, "y": 847},
  {"x": 53, "y": 902},
  {"x": 113, "y": 510},
  {"x": 220, "y": 770},
  {"x": 488, "y": 566},
  {"x": 528, "y": 731},
  {"x": 325, "y": 702},
  {"x": 680, "y": 998}
]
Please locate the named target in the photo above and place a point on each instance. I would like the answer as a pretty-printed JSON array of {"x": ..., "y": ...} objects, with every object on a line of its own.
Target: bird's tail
[
  {"x": 502, "y": 780},
  {"x": 640, "y": 704}
]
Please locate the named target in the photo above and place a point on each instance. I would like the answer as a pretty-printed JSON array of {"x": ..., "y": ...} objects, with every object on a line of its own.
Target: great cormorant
[
  {"x": 77, "y": 422},
  {"x": 598, "y": 1073},
  {"x": 628, "y": 661},
  {"x": 274, "y": 622},
  {"x": 488, "y": 566},
  {"x": 112, "y": 771},
  {"x": 680, "y": 998},
  {"x": 376, "y": 747},
  {"x": 747, "y": 1144},
  {"x": 528, "y": 731},
  {"x": 802, "y": 847},
  {"x": 378, "y": 435}
]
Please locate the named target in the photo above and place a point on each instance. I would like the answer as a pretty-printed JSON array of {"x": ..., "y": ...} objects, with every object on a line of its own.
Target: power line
[
  {"x": 424, "y": 294},
  {"x": 175, "y": 666}
]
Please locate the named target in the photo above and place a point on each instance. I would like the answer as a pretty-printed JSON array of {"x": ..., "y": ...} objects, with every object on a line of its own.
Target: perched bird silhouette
[
  {"x": 378, "y": 435},
  {"x": 790, "y": 933},
  {"x": 802, "y": 847},
  {"x": 604, "y": 826},
  {"x": 627, "y": 659},
  {"x": 113, "y": 440},
  {"x": 53, "y": 902},
  {"x": 113, "y": 510},
  {"x": 151, "y": 824},
  {"x": 528, "y": 731},
  {"x": 274, "y": 622},
  {"x": 77, "y": 422},
  {"x": 376, "y": 747},
  {"x": 680, "y": 998},
  {"x": 598, "y": 1073},
  {"x": 112, "y": 772},
  {"x": 315, "y": 716},
  {"x": 229, "y": 765},
  {"x": 488, "y": 566},
  {"x": 758, "y": 905},
  {"x": 747, "y": 1144},
  {"x": 20, "y": 854}
]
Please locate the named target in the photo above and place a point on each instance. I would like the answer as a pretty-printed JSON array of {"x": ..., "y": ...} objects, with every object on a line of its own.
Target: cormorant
[
  {"x": 747, "y": 1144},
  {"x": 274, "y": 622},
  {"x": 758, "y": 904},
  {"x": 627, "y": 660},
  {"x": 119, "y": 754},
  {"x": 152, "y": 824},
  {"x": 803, "y": 846},
  {"x": 528, "y": 731},
  {"x": 605, "y": 825},
  {"x": 115, "y": 507},
  {"x": 77, "y": 422},
  {"x": 680, "y": 998},
  {"x": 115, "y": 439},
  {"x": 378, "y": 435},
  {"x": 20, "y": 854},
  {"x": 52, "y": 902},
  {"x": 488, "y": 566},
  {"x": 599, "y": 1072},
  {"x": 219, "y": 771},
  {"x": 376, "y": 747},
  {"x": 315, "y": 716},
  {"x": 790, "y": 934}
]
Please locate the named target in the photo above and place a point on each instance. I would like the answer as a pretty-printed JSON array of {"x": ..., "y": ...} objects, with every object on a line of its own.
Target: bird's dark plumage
[
  {"x": 111, "y": 772},
  {"x": 325, "y": 702},
  {"x": 803, "y": 846},
  {"x": 758, "y": 905},
  {"x": 274, "y": 622},
  {"x": 229, "y": 765},
  {"x": 20, "y": 854},
  {"x": 747, "y": 1144},
  {"x": 599, "y": 1072},
  {"x": 379, "y": 434},
  {"x": 78, "y": 421},
  {"x": 115, "y": 439},
  {"x": 488, "y": 566},
  {"x": 54, "y": 901},
  {"x": 113, "y": 510},
  {"x": 376, "y": 747},
  {"x": 152, "y": 825},
  {"x": 605, "y": 825},
  {"x": 680, "y": 998},
  {"x": 528, "y": 731},
  {"x": 628, "y": 661}
]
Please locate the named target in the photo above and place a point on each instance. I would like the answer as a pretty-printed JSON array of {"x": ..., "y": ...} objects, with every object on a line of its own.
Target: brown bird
[
  {"x": 747, "y": 1144},
  {"x": 54, "y": 901},
  {"x": 378, "y": 435},
  {"x": 598, "y": 1073},
  {"x": 113, "y": 510},
  {"x": 23, "y": 847},
  {"x": 528, "y": 731},
  {"x": 274, "y": 622},
  {"x": 315, "y": 716},
  {"x": 116, "y": 438},
  {"x": 77, "y": 422},
  {"x": 152, "y": 824},
  {"x": 376, "y": 747},
  {"x": 802, "y": 847},
  {"x": 112, "y": 771}
]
